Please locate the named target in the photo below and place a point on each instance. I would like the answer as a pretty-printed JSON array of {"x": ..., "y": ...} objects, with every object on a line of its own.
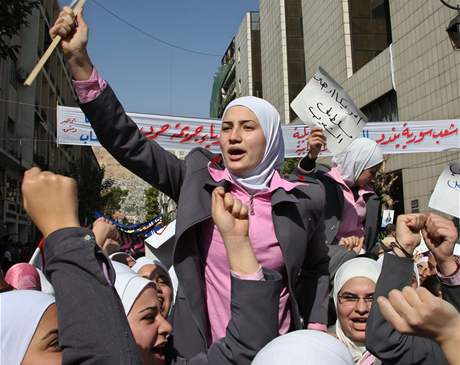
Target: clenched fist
[{"x": 50, "y": 200}]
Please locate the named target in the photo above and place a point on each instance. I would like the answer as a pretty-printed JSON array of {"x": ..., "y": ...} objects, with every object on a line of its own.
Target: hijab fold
[
  {"x": 306, "y": 347},
  {"x": 360, "y": 155},
  {"x": 269, "y": 119},
  {"x": 20, "y": 314}
]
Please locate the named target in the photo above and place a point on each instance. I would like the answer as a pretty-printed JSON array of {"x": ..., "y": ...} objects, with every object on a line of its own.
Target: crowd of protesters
[{"x": 266, "y": 269}]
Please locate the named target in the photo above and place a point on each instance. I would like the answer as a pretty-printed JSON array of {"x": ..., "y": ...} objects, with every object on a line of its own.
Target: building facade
[
  {"x": 240, "y": 70},
  {"x": 28, "y": 120},
  {"x": 393, "y": 57},
  {"x": 395, "y": 60}
]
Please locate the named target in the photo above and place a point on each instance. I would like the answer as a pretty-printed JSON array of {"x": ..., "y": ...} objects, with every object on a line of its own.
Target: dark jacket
[
  {"x": 93, "y": 328},
  {"x": 333, "y": 213},
  {"x": 297, "y": 219},
  {"x": 382, "y": 339}
]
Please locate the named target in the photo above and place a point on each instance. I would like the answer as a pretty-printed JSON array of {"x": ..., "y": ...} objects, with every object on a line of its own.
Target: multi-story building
[
  {"x": 393, "y": 57},
  {"x": 28, "y": 119},
  {"x": 282, "y": 49},
  {"x": 240, "y": 70},
  {"x": 395, "y": 60}
]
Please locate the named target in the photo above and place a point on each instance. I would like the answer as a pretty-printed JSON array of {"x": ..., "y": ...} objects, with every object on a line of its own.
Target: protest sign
[
  {"x": 324, "y": 103},
  {"x": 387, "y": 217},
  {"x": 446, "y": 194}
]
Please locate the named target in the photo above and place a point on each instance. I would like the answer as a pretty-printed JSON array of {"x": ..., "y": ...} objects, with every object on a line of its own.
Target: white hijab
[
  {"x": 20, "y": 314},
  {"x": 358, "y": 267},
  {"x": 269, "y": 120},
  {"x": 129, "y": 286},
  {"x": 304, "y": 347},
  {"x": 360, "y": 155}
]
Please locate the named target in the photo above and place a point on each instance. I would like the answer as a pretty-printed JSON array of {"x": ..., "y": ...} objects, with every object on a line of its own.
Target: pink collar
[{"x": 277, "y": 181}]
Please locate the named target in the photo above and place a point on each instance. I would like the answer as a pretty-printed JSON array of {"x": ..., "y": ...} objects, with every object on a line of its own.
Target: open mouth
[
  {"x": 359, "y": 324},
  {"x": 235, "y": 154}
]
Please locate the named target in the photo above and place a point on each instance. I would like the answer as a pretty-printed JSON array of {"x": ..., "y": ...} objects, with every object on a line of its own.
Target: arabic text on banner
[{"x": 184, "y": 134}]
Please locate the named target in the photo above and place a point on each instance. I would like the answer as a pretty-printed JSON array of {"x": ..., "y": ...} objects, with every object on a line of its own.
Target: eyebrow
[
  {"x": 50, "y": 333},
  {"x": 239, "y": 121},
  {"x": 366, "y": 295},
  {"x": 153, "y": 309}
]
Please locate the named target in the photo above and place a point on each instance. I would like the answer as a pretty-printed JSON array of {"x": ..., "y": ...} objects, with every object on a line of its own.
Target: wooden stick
[{"x": 41, "y": 62}]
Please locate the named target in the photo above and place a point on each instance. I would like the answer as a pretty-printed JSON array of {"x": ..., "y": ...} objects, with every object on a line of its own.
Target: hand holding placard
[{"x": 325, "y": 104}]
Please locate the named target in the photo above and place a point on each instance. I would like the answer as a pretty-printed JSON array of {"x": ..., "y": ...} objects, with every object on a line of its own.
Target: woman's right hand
[
  {"x": 74, "y": 33},
  {"x": 316, "y": 141}
]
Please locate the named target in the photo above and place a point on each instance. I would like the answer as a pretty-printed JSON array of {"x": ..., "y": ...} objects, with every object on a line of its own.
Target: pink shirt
[
  {"x": 354, "y": 211},
  {"x": 266, "y": 248}
]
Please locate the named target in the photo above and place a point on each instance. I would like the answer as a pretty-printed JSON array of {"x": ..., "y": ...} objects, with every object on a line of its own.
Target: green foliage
[
  {"x": 152, "y": 207},
  {"x": 112, "y": 197},
  {"x": 289, "y": 165},
  {"x": 13, "y": 16},
  {"x": 90, "y": 184}
]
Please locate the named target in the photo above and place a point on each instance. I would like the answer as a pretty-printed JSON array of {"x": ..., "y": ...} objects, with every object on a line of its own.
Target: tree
[
  {"x": 13, "y": 16},
  {"x": 152, "y": 207},
  {"x": 289, "y": 165},
  {"x": 383, "y": 184},
  {"x": 90, "y": 184},
  {"x": 112, "y": 197}
]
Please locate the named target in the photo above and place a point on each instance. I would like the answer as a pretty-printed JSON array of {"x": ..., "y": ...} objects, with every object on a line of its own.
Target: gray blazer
[
  {"x": 297, "y": 219},
  {"x": 333, "y": 214},
  {"x": 387, "y": 344},
  {"x": 89, "y": 308}
]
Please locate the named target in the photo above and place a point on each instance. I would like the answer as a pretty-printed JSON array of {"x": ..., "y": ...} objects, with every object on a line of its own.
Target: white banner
[{"x": 183, "y": 134}]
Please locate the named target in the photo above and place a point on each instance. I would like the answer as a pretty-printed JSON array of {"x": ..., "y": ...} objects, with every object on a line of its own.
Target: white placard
[
  {"x": 387, "y": 217},
  {"x": 446, "y": 194},
  {"x": 156, "y": 240},
  {"x": 324, "y": 103}
]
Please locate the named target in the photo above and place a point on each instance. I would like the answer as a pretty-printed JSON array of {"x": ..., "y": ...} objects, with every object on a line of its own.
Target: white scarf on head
[
  {"x": 360, "y": 155},
  {"x": 20, "y": 313},
  {"x": 269, "y": 119},
  {"x": 306, "y": 347},
  {"x": 129, "y": 286},
  {"x": 358, "y": 267}
]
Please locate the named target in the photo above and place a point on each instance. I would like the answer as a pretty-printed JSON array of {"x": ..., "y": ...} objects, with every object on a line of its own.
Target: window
[
  {"x": 414, "y": 206},
  {"x": 370, "y": 29},
  {"x": 383, "y": 109}
]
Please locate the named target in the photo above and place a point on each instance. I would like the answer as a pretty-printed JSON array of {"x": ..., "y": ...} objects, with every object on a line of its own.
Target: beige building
[
  {"x": 282, "y": 50},
  {"x": 28, "y": 120},
  {"x": 393, "y": 57}
]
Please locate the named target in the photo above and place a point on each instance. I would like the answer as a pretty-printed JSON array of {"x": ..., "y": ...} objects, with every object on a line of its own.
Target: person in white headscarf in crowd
[
  {"x": 282, "y": 213},
  {"x": 353, "y": 294},
  {"x": 304, "y": 347},
  {"x": 28, "y": 329},
  {"x": 352, "y": 208},
  {"x": 122, "y": 257},
  {"x": 142, "y": 307},
  {"x": 154, "y": 270}
]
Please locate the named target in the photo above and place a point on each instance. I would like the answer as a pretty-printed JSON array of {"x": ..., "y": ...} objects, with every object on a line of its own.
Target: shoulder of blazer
[{"x": 199, "y": 158}]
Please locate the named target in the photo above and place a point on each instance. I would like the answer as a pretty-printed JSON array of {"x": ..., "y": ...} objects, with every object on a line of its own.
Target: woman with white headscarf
[
  {"x": 153, "y": 269},
  {"x": 285, "y": 217},
  {"x": 304, "y": 347},
  {"x": 26, "y": 317},
  {"x": 352, "y": 207},
  {"x": 353, "y": 294}
]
